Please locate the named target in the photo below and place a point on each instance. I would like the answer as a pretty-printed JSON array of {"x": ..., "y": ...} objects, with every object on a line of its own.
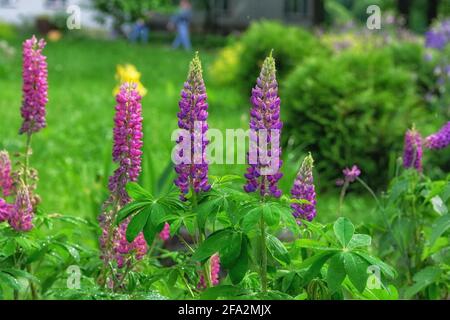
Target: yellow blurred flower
[
  {"x": 54, "y": 35},
  {"x": 129, "y": 73},
  {"x": 226, "y": 66}
]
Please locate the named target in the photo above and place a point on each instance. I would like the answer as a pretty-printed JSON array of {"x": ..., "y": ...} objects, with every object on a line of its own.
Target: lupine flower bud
[
  {"x": 412, "y": 152},
  {"x": 5, "y": 210},
  {"x": 6, "y": 181},
  {"x": 164, "y": 235},
  {"x": 21, "y": 214},
  {"x": 265, "y": 117},
  {"x": 304, "y": 189},
  {"x": 123, "y": 248},
  {"x": 193, "y": 115},
  {"x": 440, "y": 139},
  {"x": 34, "y": 86},
  {"x": 215, "y": 269},
  {"x": 127, "y": 141}
]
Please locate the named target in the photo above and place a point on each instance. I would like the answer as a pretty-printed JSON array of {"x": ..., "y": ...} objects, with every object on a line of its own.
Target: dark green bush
[
  {"x": 290, "y": 47},
  {"x": 351, "y": 109}
]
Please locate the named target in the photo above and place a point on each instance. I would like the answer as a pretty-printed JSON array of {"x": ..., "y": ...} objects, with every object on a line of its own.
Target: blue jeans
[
  {"x": 182, "y": 37},
  {"x": 139, "y": 32}
]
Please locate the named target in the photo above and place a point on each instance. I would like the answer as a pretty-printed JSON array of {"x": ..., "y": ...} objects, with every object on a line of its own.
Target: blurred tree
[
  {"x": 123, "y": 11},
  {"x": 432, "y": 11},
  {"x": 319, "y": 12},
  {"x": 404, "y": 7}
]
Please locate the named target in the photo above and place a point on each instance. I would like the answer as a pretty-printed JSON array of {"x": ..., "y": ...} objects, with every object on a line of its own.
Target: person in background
[
  {"x": 181, "y": 22},
  {"x": 140, "y": 31}
]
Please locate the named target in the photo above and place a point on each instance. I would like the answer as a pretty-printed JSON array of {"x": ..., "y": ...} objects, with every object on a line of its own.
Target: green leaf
[
  {"x": 251, "y": 220},
  {"x": 314, "y": 265},
  {"x": 10, "y": 248},
  {"x": 312, "y": 244},
  {"x": 271, "y": 215},
  {"x": 384, "y": 267},
  {"x": 9, "y": 280},
  {"x": 359, "y": 240},
  {"x": 136, "y": 224},
  {"x": 277, "y": 249},
  {"x": 423, "y": 279},
  {"x": 356, "y": 269},
  {"x": 439, "y": 206},
  {"x": 137, "y": 193},
  {"x": 439, "y": 227},
  {"x": 214, "y": 243},
  {"x": 226, "y": 291},
  {"x": 150, "y": 231},
  {"x": 21, "y": 274},
  {"x": 336, "y": 272},
  {"x": 239, "y": 269},
  {"x": 343, "y": 229},
  {"x": 158, "y": 214},
  {"x": 130, "y": 209},
  {"x": 231, "y": 251},
  {"x": 399, "y": 188}
]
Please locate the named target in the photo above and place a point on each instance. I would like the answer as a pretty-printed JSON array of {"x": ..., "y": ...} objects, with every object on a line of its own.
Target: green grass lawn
[{"x": 72, "y": 154}]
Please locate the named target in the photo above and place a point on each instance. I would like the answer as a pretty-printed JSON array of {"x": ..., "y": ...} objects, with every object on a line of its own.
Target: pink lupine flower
[
  {"x": 35, "y": 86},
  {"x": 127, "y": 152},
  {"x": 6, "y": 181},
  {"x": 214, "y": 263},
  {"x": 21, "y": 214},
  {"x": 164, "y": 235},
  {"x": 5, "y": 210},
  {"x": 128, "y": 135},
  {"x": 351, "y": 174},
  {"x": 215, "y": 269}
]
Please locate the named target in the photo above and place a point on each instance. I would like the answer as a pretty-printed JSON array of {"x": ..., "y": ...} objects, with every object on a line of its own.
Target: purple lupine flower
[
  {"x": 21, "y": 214},
  {"x": 265, "y": 118},
  {"x": 303, "y": 189},
  {"x": 5, "y": 210},
  {"x": 215, "y": 269},
  {"x": 193, "y": 170},
  {"x": 412, "y": 152},
  {"x": 127, "y": 150},
  {"x": 35, "y": 86},
  {"x": 440, "y": 139},
  {"x": 351, "y": 174},
  {"x": 439, "y": 36},
  {"x": 164, "y": 235},
  {"x": 6, "y": 181}
]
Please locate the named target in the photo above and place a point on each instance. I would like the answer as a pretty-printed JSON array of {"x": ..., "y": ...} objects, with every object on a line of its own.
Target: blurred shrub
[
  {"x": 6, "y": 54},
  {"x": 351, "y": 108},
  {"x": 291, "y": 45},
  {"x": 225, "y": 68}
]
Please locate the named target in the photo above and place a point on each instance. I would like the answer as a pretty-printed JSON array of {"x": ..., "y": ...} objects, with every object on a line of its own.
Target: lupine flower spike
[
  {"x": 304, "y": 189},
  {"x": 214, "y": 262},
  {"x": 265, "y": 117},
  {"x": 193, "y": 171},
  {"x": 34, "y": 86},
  {"x": 21, "y": 214},
  {"x": 127, "y": 153},
  {"x": 6, "y": 181},
  {"x": 440, "y": 139},
  {"x": 164, "y": 235},
  {"x": 412, "y": 152},
  {"x": 5, "y": 210}
]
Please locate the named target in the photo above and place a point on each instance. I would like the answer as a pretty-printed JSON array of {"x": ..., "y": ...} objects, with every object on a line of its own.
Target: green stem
[
  {"x": 263, "y": 248},
  {"x": 342, "y": 197},
  {"x": 200, "y": 238},
  {"x": 34, "y": 294}
]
